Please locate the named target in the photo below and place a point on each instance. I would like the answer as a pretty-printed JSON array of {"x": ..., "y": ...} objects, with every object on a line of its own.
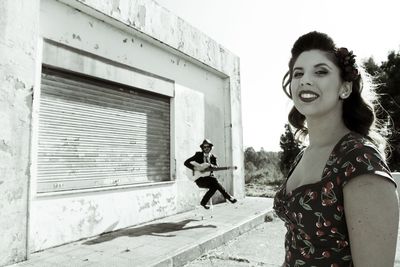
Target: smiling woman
[{"x": 339, "y": 201}]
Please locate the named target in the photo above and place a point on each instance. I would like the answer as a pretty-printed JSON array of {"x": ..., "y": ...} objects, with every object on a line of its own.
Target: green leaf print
[
  {"x": 306, "y": 206},
  {"x": 345, "y": 164},
  {"x": 299, "y": 262},
  {"x": 346, "y": 258}
]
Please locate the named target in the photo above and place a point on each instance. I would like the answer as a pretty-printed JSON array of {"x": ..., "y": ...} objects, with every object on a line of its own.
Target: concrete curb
[{"x": 192, "y": 252}]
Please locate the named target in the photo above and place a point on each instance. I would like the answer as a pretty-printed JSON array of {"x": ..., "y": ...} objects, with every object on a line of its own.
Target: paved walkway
[{"x": 171, "y": 241}]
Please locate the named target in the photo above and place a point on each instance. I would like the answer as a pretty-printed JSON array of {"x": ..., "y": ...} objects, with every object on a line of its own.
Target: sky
[{"x": 262, "y": 32}]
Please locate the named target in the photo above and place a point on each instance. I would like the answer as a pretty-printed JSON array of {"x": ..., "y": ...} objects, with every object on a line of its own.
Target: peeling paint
[
  {"x": 115, "y": 7},
  {"x": 131, "y": 22},
  {"x": 15, "y": 195},
  {"x": 77, "y": 37},
  {"x": 29, "y": 99},
  {"x": 142, "y": 16},
  {"x": 19, "y": 84},
  {"x": 180, "y": 45},
  {"x": 5, "y": 147},
  {"x": 156, "y": 199},
  {"x": 91, "y": 24},
  {"x": 145, "y": 206},
  {"x": 92, "y": 216},
  {"x": 171, "y": 199},
  {"x": 28, "y": 171},
  {"x": 96, "y": 46},
  {"x": 125, "y": 40}
]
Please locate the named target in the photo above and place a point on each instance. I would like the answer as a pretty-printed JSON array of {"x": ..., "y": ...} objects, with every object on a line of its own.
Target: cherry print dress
[{"x": 314, "y": 213}]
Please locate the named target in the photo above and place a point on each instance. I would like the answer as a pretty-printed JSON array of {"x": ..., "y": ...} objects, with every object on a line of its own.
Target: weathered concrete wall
[
  {"x": 189, "y": 130},
  {"x": 153, "y": 20},
  {"x": 61, "y": 219},
  {"x": 200, "y": 107},
  {"x": 18, "y": 38},
  {"x": 138, "y": 34}
]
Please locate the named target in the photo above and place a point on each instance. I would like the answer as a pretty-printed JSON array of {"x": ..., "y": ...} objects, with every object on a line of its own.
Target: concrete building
[{"x": 101, "y": 102}]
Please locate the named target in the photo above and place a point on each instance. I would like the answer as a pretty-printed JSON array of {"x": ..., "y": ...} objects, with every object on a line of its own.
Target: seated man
[{"x": 209, "y": 181}]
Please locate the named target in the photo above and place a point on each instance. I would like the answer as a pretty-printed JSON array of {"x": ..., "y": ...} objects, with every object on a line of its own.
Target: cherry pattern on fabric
[{"x": 314, "y": 213}]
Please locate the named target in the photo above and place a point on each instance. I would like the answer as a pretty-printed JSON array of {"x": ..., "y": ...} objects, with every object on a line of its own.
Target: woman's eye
[
  {"x": 321, "y": 72},
  {"x": 297, "y": 74}
]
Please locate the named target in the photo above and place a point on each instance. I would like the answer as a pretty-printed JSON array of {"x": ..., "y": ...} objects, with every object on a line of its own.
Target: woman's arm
[{"x": 372, "y": 216}]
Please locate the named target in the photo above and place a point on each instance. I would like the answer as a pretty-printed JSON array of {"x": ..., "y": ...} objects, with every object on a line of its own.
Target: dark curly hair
[{"x": 358, "y": 114}]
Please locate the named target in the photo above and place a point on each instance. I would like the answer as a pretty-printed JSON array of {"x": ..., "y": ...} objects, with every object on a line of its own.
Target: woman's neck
[{"x": 326, "y": 132}]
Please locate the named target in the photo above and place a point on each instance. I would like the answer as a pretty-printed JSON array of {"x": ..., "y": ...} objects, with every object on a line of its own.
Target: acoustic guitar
[{"x": 204, "y": 169}]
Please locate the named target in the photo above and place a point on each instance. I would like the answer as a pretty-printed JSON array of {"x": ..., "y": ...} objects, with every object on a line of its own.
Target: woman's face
[{"x": 316, "y": 85}]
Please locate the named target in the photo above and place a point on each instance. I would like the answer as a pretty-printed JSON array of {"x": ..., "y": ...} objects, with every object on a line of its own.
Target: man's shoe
[
  {"x": 205, "y": 206},
  {"x": 232, "y": 200}
]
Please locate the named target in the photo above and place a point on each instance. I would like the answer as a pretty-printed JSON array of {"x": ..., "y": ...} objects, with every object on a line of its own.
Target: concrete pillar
[{"x": 19, "y": 31}]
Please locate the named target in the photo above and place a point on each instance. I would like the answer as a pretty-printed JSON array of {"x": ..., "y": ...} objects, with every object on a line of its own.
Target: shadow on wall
[{"x": 156, "y": 229}]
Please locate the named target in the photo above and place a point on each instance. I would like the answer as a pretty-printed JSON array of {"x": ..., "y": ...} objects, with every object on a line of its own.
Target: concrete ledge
[
  {"x": 170, "y": 241},
  {"x": 187, "y": 254}
]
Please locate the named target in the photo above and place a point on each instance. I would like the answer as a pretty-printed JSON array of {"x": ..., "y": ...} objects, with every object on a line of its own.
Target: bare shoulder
[
  {"x": 369, "y": 183},
  {"x": 372, "y": 218}
]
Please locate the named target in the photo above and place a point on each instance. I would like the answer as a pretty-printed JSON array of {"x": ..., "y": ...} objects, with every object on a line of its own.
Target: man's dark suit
[
  {"x": 209, "y": 182},
  {"x": 199, "y": 158}
]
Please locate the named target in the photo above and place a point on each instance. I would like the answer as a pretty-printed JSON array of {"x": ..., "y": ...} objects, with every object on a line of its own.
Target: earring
[{"x": 344, "y": 95}]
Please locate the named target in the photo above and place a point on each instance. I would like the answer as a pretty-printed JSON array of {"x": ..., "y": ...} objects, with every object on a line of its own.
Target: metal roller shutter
[{"x": 96, "y": 134}]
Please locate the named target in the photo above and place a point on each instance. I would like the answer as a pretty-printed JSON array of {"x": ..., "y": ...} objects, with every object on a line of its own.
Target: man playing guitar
[{"x": 205, "y": 162}]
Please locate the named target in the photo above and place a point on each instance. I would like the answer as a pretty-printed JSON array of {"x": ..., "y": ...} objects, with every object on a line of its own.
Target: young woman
[{"x": 339, "y": 202}]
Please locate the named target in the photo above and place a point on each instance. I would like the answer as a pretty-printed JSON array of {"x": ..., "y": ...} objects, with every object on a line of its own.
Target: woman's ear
[{"x": 345, "y": 90}]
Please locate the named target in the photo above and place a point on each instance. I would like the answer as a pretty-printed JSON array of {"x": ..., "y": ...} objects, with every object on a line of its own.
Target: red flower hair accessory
[{"x": 347, "y": 63}]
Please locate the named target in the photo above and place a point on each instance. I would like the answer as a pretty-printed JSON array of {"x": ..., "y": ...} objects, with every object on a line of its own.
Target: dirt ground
[{"x": 260, "y": 190}]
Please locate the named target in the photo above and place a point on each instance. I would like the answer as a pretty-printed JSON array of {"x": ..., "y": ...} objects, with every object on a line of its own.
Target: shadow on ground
[{"x": 156, "y": 229}]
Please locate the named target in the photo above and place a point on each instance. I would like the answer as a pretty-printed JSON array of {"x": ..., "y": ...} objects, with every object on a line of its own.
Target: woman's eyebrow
[
  {"x": 315, "y": 66},
  {"x": 322, "y": 65}
]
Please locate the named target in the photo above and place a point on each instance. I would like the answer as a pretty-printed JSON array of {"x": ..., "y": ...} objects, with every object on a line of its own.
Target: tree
[
  {"x": 290, "y": 149},
  {"x": 387, "y": 78},
  {"x": 250, "y": 156}
]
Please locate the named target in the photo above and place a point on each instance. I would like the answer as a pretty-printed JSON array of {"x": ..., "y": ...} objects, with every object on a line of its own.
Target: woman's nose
[{"x": 305, "y": 80}]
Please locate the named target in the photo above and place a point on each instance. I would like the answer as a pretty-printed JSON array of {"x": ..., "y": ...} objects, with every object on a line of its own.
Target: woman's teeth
[{"x": 307, "y": 96}]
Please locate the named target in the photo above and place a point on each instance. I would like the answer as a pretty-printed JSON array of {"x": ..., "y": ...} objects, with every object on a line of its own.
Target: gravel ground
[{"x": 262, "y": 246}]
